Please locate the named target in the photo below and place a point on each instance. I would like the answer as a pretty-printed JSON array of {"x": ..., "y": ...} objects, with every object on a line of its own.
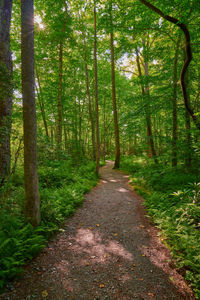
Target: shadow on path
[{"x": 108, "y": 250}]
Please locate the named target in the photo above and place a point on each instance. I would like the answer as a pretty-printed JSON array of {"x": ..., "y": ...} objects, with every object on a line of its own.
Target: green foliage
[
  {"x": 174, "y": 205},
  {"x": 62, "y": 186}
]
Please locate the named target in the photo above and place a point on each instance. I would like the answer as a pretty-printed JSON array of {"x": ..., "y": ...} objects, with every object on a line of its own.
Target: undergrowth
[
  {"x": 172, "y": 198},
  {"x": 62, "y": 188}
]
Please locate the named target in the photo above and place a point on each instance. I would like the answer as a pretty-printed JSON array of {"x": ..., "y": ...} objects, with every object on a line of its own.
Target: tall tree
[
  {"x": 96, "y": 91},
  {"x": 6, "y": 88},
  {"x": 59, "y": 101},
  {"x": 32, "y": 202},
  {"x": 174, "y": 103},
  {"x": 114, "y": 101}
]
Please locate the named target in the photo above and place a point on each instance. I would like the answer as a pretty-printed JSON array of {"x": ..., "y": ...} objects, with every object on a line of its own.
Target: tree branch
[{"x": 188, "y": 52}]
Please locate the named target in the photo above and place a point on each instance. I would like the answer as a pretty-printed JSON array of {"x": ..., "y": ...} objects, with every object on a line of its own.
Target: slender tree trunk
[
  {"x": 174, "y": 103},
  {"x": 96, "y": 93},
  {"x": 188, "y": 156},
  {"x": 148, "y": 116},
  {"x": 59, "y": 102},
  {"x": 145, "y": 93},
  {"x": 32, "y": 202},
  {"x": 6, "y": 88},
  {"x": 41, "y": 103},
  {"x": 89, "y": 103},
  {"x": 114, "y": 101}
]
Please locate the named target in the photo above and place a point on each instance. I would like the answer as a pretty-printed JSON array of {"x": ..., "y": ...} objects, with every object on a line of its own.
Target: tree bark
[
  {"x": 89, "y": 102},
  {"x": 174, "y": 103},
  {"x": 6, "y": 88},
  {"x": 41, "y": 103},
  {"x": 188, "y": 56},
  {"x": 32, "y": 202},
  {"x": 145, "y": 93},
  {"x": 114, "y": 101},
  {"x": 96, "y": 93},
  {"x": 59, "y": 101}
]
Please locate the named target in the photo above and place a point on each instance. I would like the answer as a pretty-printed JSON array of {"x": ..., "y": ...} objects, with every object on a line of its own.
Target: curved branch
[{"x": 188, "y": 51}]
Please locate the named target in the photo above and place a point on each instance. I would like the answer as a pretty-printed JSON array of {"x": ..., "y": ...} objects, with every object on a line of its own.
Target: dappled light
[{"x": 99, "y": 150}]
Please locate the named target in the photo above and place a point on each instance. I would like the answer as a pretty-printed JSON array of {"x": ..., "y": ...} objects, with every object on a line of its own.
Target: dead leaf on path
[
  {"x": 101, "y": 285},
  {"x": 142, "y": 226},
  {"x": 115, "y": 234},
  {"x": 92, "y": 256},
  {"x": 143, "y": 254},
  {"x": 97, "y": 225},
  {"x": 141, "y": 279},
  {"x": 151, "y": 295},
  {"x": 44, "y": 294},
  {"x": 171, "y": 278},
  {"x": 106, "y": 255},
  {"x": 90, "y": 227}
]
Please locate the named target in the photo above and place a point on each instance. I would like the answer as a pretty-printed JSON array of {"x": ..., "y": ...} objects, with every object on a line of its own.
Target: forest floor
[{"x": 107, "y": 250}]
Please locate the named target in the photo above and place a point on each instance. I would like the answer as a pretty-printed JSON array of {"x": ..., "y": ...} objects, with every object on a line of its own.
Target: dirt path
[{"x": 108, "y": 250}]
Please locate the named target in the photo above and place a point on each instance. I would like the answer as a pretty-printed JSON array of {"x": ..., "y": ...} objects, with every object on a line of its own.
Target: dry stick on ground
[{"x": 188, "y": 52}]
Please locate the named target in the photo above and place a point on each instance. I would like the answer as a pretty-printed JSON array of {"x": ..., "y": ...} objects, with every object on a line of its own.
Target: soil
[{"x": 107, "y": 250}]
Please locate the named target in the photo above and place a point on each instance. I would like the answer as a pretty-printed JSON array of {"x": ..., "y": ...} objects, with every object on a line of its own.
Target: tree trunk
[
  {"x": 116, "y": 127},
  {"x": 59, "y": 102},
  {"x": 96, "y": 93},
  {"x": 145, "y": 93},
  {"x": 6, "y": 88},
  {"x": 174, "y": 103},
  {"x": 32, "y": 202},
  {"x": 90, "y": 105},
  {"x": 41, "y": 103}
]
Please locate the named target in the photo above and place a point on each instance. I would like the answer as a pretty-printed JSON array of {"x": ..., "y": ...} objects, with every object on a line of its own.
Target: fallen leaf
[
  {"x": 97, "y": 225},
  {"x": 92, "y": 256},
  {"x": 142, "y": 226},
  {"x": 143, "y": 254},
  {"x": 151, "y": 294},
  {"x": 171, "y": 278},
  {"x": 44, "y": 294},
  {"x": 89, "y": 227},
  {"x": 101, "y": 285},
  {"x": 115, "y": 234},
  {"x": 141, "y": 279}
]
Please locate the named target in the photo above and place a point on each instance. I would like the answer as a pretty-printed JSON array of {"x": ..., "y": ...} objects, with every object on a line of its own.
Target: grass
[
  {"x": 62, "y": 188},
  {"x": 172, "y": 199}
]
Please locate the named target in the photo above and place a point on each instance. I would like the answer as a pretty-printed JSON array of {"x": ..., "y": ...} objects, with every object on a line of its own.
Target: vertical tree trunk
[
  {"x": 96, "y": 92},
  {"x": 6, "y": 88},
  {"x": 145, "y": 93},
  {"x": 32, "y": 202},
  {"x": 59, "y": 102},
  {"x": 188, "y": 156},
  {"x": 116, "y": 127},
  {"x": 41, "y": 103},
  {"x": 148, "y": 116},
  {"x": 174, "y": 103},
  {"x": 90, "y": 104}
]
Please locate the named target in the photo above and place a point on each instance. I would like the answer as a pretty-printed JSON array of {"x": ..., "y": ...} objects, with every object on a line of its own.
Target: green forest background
[{"x": 139, "y": 60}]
